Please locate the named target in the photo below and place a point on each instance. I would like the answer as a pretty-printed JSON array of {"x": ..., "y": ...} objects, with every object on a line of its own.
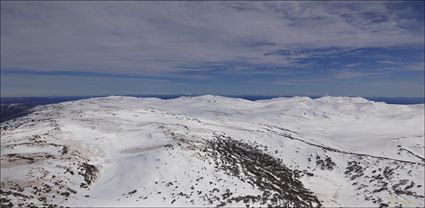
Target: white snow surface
[{"x": 128, "y": 151}]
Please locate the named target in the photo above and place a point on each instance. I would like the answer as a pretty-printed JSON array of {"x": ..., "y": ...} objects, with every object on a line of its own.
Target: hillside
[{"x": 215, "y": 151}]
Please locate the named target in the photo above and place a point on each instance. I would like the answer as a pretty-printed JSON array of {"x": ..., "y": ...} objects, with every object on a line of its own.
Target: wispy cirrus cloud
[
  {"x": 164, "y": 37},
  {"x": 190, "y": 41},
  {"x": 348, "y": 74}
]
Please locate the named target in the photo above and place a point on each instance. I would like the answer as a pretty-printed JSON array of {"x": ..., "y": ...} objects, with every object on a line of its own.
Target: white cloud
[
  {"x": 348, "y": 74},
  {"x": 420, "y": 66},
  {"x": 166, "y": 37}
]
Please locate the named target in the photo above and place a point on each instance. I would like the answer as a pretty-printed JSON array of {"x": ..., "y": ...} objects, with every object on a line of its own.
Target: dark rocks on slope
[{"x": 280, "y": 185}]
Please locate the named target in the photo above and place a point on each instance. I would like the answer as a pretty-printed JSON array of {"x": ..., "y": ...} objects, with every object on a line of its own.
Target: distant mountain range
[{"x": 12, "y": 107}]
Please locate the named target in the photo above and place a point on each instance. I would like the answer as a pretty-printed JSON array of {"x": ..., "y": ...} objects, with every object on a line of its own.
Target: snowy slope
[{"x": 215, "y": 151}]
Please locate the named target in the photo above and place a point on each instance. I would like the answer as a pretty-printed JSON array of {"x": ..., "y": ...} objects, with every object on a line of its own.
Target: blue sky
[{"x": 370, "y": 49}]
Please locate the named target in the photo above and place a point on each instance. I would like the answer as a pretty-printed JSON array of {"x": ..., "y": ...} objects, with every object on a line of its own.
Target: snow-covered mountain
[{"x": 215, "y": 151}]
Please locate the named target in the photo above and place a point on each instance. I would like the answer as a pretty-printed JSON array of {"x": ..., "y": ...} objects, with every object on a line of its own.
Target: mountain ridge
[{"x": 214, "y": 151}]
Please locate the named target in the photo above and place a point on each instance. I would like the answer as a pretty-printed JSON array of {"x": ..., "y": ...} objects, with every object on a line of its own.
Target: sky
[{"x": 272, "y": 48}]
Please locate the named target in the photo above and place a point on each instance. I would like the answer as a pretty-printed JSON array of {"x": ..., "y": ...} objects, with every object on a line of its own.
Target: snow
[{"x": 147, "y": 144}]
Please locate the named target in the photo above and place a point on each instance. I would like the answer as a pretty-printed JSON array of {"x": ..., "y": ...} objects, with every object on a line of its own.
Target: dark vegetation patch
[
  {"x": 89, "y": 172},
  {"x": 129, "y": 194},
  {"x": 17, "y": 194},
  {"x": 325, "y": 164},
  {"x": 372, "y": 183},
  {"x": 51, "y": 187},
  {"x": 354, "y": 170},
  {"x": 27, "y": 158},
  {"x": 280, "y": 185}
]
